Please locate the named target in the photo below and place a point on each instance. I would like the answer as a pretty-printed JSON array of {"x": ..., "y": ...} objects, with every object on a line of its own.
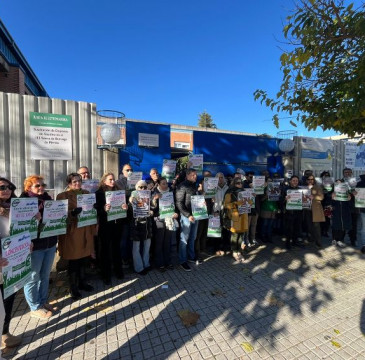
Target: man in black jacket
[
  {"x": 187, "y": 222},
  {"x": 361, "y": 184}
]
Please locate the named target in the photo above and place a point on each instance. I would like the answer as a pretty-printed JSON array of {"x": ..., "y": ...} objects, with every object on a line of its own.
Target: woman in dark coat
[{"x": 110, "y": 247}]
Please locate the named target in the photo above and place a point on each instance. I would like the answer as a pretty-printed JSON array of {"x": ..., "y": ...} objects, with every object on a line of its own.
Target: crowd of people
[{"x": 145, "y": 241}]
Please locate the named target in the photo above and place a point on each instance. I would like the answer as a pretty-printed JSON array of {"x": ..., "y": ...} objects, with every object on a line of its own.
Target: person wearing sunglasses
[
  {"x": 7, "y": 192},
  {"x": 77, "y": 245},
  {"x": 42, "y": 256},
  {"x": 141, "y": 227},
  {"x": 233, "y": 221}
]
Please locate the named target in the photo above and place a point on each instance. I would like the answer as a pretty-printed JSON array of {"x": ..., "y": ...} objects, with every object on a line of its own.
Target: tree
[
  {"x": 324, "y": 71},
  {"x": 205, "y": 120}
]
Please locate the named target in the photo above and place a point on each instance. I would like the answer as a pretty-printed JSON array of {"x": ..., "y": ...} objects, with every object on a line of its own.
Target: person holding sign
[
  {"x": 42, "y": 256},
  {"x": 361, "y": 185},
  {"x": 341, "y": 213},
  {"x": 189, "y": 225},
  {"x": 314, "y": 216},
  {"x": 164, "y": 227},
  {"x": 293, "y": 213},
  {"x": 141, "y": 227},
  {"x": 235, "y": 222},
  {"x": 78, "y": 242},
  {"x": 110, "y": 248},
  {"x": 7, "y": 192}
]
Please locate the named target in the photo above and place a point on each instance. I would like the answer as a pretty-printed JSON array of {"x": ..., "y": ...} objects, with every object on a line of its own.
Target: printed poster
[
  {"x": 91, "y": 185},
  {"x": 166, "y": 205},
  {"x": 23, "y": 213},
  {"x": 294, "y": 200},
  {"x": 51, "y": 136},
  {"x": 196, "y": 162},
  {"x": 354, "y": 155},
  {"x": 16, "y": 249},
  {"x": 199, "y": 207},
  {"x": 214, "y": 227},
  {"x": 141, "y": 200},
  {"x": 258, "y": 185},
  {"x": 54, "y": 218},
  {"x": 307, "y": 201},
  {"x": 252, "y": 197},
  {"x": 88, "y": 215},
  {"x": 116, "y": 199},
  {"x": 133, "y": 179},
  {"x": 341, "y": 192},
  {"x": 246, "y": 198},
  {"x": 168, "y": 170},
  {"x": 273, "y": 191},
  {"x": 210, "y": 187},
  {"x": 360, "y": 198},
  {"x": 316, "y": 154}
]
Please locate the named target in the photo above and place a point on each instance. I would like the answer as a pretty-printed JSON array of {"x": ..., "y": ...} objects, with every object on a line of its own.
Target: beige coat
[
  {"x": 239, "y": 223},
  {"x": 317, "y": 209},
  {"x": 77, "y": 243}
]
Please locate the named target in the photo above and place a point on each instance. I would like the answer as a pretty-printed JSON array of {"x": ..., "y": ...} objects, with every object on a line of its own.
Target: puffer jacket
[{"x": 184, "y": 192}]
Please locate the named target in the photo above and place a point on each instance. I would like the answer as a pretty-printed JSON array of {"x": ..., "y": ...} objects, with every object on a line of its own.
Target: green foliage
[
  {"x": 205, "y": 120},
  {"x": 324, "y": 68}
]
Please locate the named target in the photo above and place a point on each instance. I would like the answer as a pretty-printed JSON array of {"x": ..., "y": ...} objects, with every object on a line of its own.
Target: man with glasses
[
  {"x": 126, "y": 243},
  {"x": 188, "y": 224},
  {"x": 84, "y": 172}
]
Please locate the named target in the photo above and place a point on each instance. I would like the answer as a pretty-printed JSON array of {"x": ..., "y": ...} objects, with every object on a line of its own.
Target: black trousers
[{"x": 8, "y": 306}]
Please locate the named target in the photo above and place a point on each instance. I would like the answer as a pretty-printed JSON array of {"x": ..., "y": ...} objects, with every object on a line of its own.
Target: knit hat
[{"x": 140, "y": 183}]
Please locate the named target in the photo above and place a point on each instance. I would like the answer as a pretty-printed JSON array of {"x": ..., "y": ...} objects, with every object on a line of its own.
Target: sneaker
[
  {"x": 170, "y": 267},
  {"x": 191, "y": 261},
  {"x": 162, "y": 269},
  {"x": 10, "y": 341},
  {"x": 198, "y": 261},
  {"x": 143, "y": 272},
  {"x": 255, "y": 243},
  {"x": 41, "y": 313},
  {"x": 185, "y": 266},
  {"x": 334, "y": 242},
  {"x": 341, "y": 244}
]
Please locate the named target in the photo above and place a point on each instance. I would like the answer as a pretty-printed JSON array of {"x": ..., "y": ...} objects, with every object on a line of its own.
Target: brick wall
[{"x": 13, "y": 81}]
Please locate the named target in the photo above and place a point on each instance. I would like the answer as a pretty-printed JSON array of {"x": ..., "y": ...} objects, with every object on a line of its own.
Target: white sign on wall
[
  {"x": 150, "y": 140},
  {"x": 316, "y": 154},
  {"x": 354, "y": 155},
  {"x": 50, "y": 136}
]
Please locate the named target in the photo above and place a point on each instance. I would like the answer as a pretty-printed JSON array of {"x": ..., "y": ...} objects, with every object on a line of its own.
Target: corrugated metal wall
[{"x": 15, "y": 161}]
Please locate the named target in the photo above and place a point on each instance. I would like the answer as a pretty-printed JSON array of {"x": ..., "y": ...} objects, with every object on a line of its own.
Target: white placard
[
  {"x": 88, "y": 215},
  {"x": 54, "y": 218},
  {"x": 116, "y": 199},
  {"x": 149, "y": 140}
]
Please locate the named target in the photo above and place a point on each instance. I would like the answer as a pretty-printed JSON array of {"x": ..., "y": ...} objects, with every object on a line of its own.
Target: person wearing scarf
[
  {"x": 42, "y": 256},
  {"x": 77, "y": 245},
  {"x": 164, "y": 229}
]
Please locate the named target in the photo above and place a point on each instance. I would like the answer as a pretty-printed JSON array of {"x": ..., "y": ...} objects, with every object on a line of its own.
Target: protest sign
[
  {"x": 199, "y": 207},
  {"x": 16, "y": 249},
  {"x": 141, "y": 203},
  {"x": 115, "y": 199},
  {"x": 54, "y": 218},
  {"x": 88, "y": 215}
]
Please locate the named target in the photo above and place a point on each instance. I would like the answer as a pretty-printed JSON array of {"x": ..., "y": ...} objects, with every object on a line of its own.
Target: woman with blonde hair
[{"x": 42, "y": 256}]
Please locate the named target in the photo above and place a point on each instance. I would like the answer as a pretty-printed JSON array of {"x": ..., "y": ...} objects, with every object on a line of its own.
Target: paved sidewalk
[{"x": 302, "y": 304}]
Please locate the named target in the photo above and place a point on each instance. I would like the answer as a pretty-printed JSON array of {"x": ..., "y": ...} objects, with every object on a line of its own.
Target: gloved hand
[{"x": 76, "y": 211}]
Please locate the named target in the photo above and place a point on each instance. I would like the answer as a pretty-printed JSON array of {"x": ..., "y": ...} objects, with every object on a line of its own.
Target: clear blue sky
[{"x": 158, "y": 60}]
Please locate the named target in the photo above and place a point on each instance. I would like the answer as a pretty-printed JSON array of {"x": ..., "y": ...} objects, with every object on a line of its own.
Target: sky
[{"x": 159, "y": 60}]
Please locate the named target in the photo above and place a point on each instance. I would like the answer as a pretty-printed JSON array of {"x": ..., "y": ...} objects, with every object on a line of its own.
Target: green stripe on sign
[{"x": 52, "y": 120}]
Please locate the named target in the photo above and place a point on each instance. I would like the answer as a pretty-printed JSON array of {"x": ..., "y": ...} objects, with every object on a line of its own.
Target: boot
[
  {"x": 10, "y": 341},
  {"x": 83, "y": 285},
  {"x": 74, "y": 288}
]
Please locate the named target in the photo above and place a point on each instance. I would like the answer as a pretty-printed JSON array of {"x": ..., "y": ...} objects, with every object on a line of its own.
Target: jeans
[
  {"x": 266, "y": 227},
  {"x": 36, "y": 290},
  {"x": 141, "y": 257},
  {"x": 187, "y": 239}
]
